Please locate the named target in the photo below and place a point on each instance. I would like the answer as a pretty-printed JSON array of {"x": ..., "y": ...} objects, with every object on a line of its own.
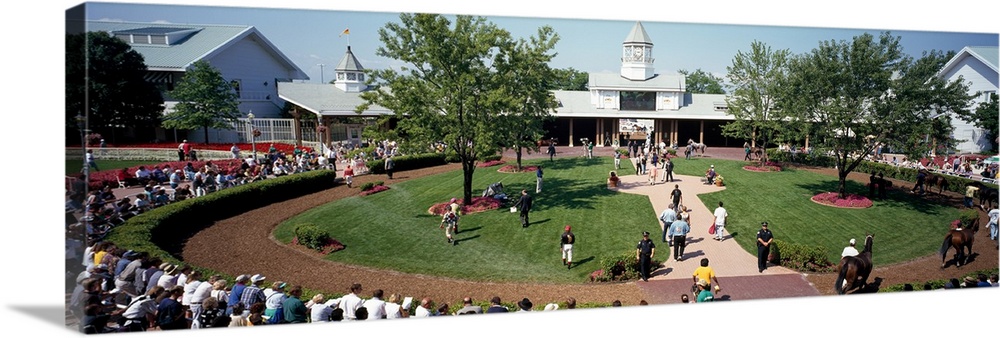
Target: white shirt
[
  {"x": 994, "y": 215},
  {"x": 393, "y": 311},
  {"x": 320, "y": 312},
  {"x": 189, "y": 290},
  {"x": 423, "y": 312},
  {"x": 849, "y": 251},
  {"x": 350, "y": 303},
  {"x": 376, "y": 308},
  {"x": 274, "y": 300},
  {"x": 203, "y": 291},
  {"x": 167, "y": 281},
  {"x": 720, "y": 216}
]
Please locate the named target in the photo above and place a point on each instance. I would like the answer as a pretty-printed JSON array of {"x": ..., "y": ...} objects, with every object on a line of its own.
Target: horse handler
[
  {"x": 764, "y": 239},
  {"x": 566, "y": 246}
]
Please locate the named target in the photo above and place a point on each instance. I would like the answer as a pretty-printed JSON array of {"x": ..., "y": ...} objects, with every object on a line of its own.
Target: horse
[
  {"x": 987, "y": 196},
  {"x": 961, "y": 239},
  {"x": 939, "y": 181},
  {"x": 855, "y": 269},
  {"x": 697, "y": 146}
]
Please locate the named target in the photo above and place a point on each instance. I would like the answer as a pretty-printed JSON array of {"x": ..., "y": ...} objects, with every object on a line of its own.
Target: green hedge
[
  {"x": 630, "y": 264},
  {"x": 800, "y": 257},
  {"x": 408, "y": 162}
]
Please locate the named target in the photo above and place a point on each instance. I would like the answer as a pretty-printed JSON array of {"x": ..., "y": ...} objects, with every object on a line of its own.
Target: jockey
[{"x": 850, "y": 250}]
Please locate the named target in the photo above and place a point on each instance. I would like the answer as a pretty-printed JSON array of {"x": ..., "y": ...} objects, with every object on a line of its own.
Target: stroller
[{"x": 495, "y": 191}]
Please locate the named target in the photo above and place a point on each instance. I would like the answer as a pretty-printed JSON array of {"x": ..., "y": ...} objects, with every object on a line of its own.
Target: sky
[
  {"x": 33, "y": 98},
  {"x": 313, "y": 37}
]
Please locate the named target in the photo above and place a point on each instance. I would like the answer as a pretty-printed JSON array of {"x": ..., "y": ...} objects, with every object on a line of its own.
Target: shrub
[
  {"x": 490, "y": 158},
  {"x": 801, "y": 257},
  {"x": 311, "y": 236},
  {"x": 968, "y": 217},
  {"x": 621, "y": 267},
  {"x": 624, "y": 151},
  {"x": 672, "y": 152},
  {"x": 408, "y": 162}
]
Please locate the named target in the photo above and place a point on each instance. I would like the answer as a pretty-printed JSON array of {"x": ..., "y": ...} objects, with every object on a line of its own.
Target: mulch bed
[
  {"x": 513, "y": 169},
  {"x": 852, "y": 201}
]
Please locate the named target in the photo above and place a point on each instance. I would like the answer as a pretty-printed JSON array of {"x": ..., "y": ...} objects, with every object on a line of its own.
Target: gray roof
[
  {"x": 986, "y": 54},
  {"x": 326, "y": 99},
  {"x": 698, "y": 107},
  {"x": 660, "y": 82},
  {"x": 349, "y": 62},
  {"x": 638, "y": 34},
  {"x": 206, "y": 42}
]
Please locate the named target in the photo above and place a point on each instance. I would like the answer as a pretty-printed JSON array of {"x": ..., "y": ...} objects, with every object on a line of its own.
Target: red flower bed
[
  {"x": 375, "y": 189},
  {"x": 479, "y": 204},
  {"x": 262, "y": 147},
  {"x": 489, "y": 163},
  {"x": 513, "y": 169},
  {"x": 99, "y": 179},
  {"x": 851, "y": 201},
  {"x": 332, "y": 245}
]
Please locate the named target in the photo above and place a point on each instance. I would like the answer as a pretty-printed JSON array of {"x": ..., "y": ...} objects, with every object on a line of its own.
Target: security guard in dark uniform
[
  {"x": 644, "y": 254},
  {"x": 764, "y": 239}
]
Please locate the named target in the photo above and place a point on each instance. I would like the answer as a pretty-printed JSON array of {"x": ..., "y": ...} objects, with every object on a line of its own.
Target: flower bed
[
  {"x": 261, "y": 146},
  {"x": 331, "y": 245},
  {"x": 479, "y": 204},
  {"x": 489, "y": 163},
  {"x": 375, "y": 189},
  {"x": 99, "y": 179},
  {"x": 766, "y": 167},
  {"x": 851, "y": 201},
  {"x": 513, "y": 169}
]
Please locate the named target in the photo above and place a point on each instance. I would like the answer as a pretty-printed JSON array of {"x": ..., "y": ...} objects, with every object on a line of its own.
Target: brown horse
[
  {"x": 961, "y": 239},
  {"x": 935, "y": 180},
  {"x": 855, "y": 269}
]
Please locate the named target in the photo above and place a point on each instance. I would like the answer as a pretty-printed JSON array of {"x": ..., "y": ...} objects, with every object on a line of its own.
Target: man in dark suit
[{"x": 525, "y": 205}]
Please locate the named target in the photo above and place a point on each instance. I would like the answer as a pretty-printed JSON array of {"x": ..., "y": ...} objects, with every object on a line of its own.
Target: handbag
[{"x": 711, "y": 229}]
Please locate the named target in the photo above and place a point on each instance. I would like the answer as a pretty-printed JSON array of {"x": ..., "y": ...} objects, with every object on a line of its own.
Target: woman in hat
[
  {"x": 524, "y": 305},
  {"x": 274, "y": 298},
  {"x": 169, "y": 278}
]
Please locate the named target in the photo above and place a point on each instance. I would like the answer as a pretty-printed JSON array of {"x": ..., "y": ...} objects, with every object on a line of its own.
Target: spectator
[
  {"x": 141, "y": 312},
  {"x": 495, "y": 306},
  {"x": 236, "y": 316},
  {"x": 616, "y": 303},
  {"x": 685, "y": 299},
  {"x": 704, "y": 295},
  {"x": 469, "y": 308},
  {"x": 210, "y": 314},
  {"x": 275, "y": 298},
  {"x": 219, "y": 292},
  {"x": 170, "y": 312},
  {"x": 320, "y": 308},
  {"x": 524, "y": 305},
  {"x": 253, "y": 294},
  {"x": 295, "y": 311},
  {"x": 983, "y": 281},
  {"x": 256, "y": 316},
  {"x": 393, "y": 310},
  {"x": 169, "y": 277},
  {"x": 375, "y": 306},
  {"x": 236, "y": 294},
  {"x": 351, "y": 302},
  {"x": 426, "y": 308}
]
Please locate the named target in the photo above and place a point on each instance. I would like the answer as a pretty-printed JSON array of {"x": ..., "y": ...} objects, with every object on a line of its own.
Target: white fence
[{"x": 146, "y": 154}]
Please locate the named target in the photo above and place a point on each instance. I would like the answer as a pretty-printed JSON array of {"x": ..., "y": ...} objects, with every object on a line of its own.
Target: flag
[{"x": 346, "y": 31}]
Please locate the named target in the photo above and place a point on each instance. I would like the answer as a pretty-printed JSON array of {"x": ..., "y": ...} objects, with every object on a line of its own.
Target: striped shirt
[{"x": 252, "y": 294}]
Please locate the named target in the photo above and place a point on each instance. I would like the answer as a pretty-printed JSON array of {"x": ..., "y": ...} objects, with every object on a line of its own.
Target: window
[
  {"x": 340, "y": 76},
  {"x": 352, "y": 76},
  {"x": 638, "y": 101},
  {"x": 361, "y": 77}
]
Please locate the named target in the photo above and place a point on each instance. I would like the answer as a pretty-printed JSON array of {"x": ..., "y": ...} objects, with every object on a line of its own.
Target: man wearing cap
[
  {"x": 644, "y": 252},
  {"x": 566, "y": 246},
  {"x": 253, "y": 294},
  {"x": 667, "y": 217},
  {"x": 678, "y": 236},
  {"x": 237, "y": 293},
  {"x": 704, "y": 294},
  {"x": 764, "y": 239},
  {"x": 850, "y": 250}
]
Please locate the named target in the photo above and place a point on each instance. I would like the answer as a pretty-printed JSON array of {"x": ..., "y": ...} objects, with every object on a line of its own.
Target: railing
[{"x": 147, "y": 154}]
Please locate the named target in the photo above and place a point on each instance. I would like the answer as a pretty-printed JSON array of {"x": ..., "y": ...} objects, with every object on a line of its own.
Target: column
[
  {"x": 701, "y": 132},
  {"x": 571, "y": 132}
]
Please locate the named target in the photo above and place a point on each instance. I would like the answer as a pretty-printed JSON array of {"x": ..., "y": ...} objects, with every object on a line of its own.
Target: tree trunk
[
  {"x": 518, "y": 151},
  {"x": 842, "y": 184},
  {"x": 468, "y": 168},
  {"x": 205, "y": 128}
]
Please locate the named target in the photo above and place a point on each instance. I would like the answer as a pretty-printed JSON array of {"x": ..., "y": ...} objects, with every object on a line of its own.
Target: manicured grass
[
  {"x": 905, "y": 226},
  {"x": 392, "y": 229},
  {"x": 74, "y": 166}
]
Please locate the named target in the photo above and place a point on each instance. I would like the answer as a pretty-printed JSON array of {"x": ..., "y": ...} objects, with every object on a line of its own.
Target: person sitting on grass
[{"x": 613, "y": 180}]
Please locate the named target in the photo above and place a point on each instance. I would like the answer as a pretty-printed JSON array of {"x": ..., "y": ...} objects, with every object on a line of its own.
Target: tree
[
  {"x": 525, "y": 76},
  {"x": 867, "y": 91},
  {"x": 985, "y": 118},
  {"x": 569, "y": 79},
  {"x": 104, "y": 82},
  {"x": 448, "y": 90},
  {"x": 702, "y": 82},
  {"x": 205, "y": 100},
  {"x": 757, "y": 77}
]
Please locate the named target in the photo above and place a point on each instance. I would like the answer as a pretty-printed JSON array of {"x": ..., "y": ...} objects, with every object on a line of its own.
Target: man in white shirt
[
  {"x": 375, "y": 306},
  {"x": 850, "y": 250},
  {"x": 351, "y": 302},
  {"x": 720, "y": 222},
  {"x": 426, "y": 308},
  {"x": 143, "y": 175}
]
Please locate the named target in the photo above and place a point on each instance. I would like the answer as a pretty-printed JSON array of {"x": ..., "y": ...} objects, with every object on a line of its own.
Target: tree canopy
[
  {"x": 757, "y": 77},
  {"x": 105, "y": 83},
  {"x": 455, "y": 87},
  {"x": 702, "y": 82},
  {"x": 204, "y": 100},
  {"x": 569, "y": 79}
]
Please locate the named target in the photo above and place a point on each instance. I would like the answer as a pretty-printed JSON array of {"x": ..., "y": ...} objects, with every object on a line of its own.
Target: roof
[
  {"x": 698, "y": 107},
  {"x": 349, "y": 62},
  {"x": 204, "y": 43},
  {"x": 614, "y": 81},
  {"x": 638, "y": 35},
  {"x": 326, "y": 99},
  {"x": 988, "y": 55}
]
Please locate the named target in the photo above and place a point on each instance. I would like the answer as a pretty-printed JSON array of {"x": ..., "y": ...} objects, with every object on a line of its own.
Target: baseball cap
[
  {"x": 853, "y": 241},
  {"x": 258, "y": 277},
  {"x": 567, "y": 227},
  {"x": 242, "y": 278},
  {"x": 702, "y": 283}
]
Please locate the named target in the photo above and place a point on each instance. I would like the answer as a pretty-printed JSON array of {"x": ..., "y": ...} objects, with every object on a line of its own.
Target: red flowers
[
  {"x": 513, "y": 169},
  {"x": 489, "y": 163},
  {"x": 479, "y": 204},
  {"x": 851, "y": 201},
  {"x": 766, "y": 167},
  {"x": 375, "y": 189}
]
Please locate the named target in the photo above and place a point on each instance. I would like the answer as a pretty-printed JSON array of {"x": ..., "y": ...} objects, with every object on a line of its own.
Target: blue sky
[{"x": 311, "y": 37}]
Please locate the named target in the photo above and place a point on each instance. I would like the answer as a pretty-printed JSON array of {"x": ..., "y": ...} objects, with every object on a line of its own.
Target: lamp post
[
  {"x": 321, "y": 79},
  {"x": 81, "y": 124},
  {"x": 253, "y": 138}
]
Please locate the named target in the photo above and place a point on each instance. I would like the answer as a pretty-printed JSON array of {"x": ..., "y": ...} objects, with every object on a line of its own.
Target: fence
[{"x": 146, "y": 154}]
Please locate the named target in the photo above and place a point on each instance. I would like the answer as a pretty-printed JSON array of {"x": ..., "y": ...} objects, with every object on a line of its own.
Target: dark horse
[
  {"x": 960, "y": 239},
  {"x": 855, "y": 269},
  {"x": 987, "y": 195},
  {"x": 935, "y": 180}
]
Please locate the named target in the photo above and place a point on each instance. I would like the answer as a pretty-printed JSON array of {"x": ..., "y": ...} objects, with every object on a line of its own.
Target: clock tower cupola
[{"x": 637, "y": 55}]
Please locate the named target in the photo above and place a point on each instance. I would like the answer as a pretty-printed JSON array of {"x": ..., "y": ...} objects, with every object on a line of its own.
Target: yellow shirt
[
  {"x": 970, "y": 191},
  {"x": 98, "y": 257},
  {"x": 705, "y": 273}
]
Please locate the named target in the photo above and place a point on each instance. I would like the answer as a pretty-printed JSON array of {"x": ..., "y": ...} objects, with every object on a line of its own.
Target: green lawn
[
  {"x": 74, "y": 166},
  {"x": 392, "y": 229}
]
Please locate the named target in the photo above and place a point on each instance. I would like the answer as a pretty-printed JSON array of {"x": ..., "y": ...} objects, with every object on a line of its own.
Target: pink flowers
[
  {"x": 479, "y": 204},
  {"x": 375, "y": 189},
  {"x": 766, "y": 167},
  {"x": 513, "y": 169},
  {"x": 851, "y": 201},
  {"x": 489, "y": 163}
]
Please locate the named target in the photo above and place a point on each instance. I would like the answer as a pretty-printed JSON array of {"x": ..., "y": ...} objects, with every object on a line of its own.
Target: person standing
[
  {"x": 994, "y": 215},
  {"x": 618, "y": 160},
  {"x": 850, "y": 249},
  {"x": 538, "y": 184},
  {"x": 882, "y": 185},
  {"x": 872, "y": 184},
  {"x": 667, "y": 217},
  {"x": 590, "y": 150},
  {"x": 449, "y": 222},
  {"x": 919, "y": 186},
  {"x": 90, "y": 160},
  {"x": 186, "y": 147},
  {"x": 349, "y": 174},
  {"x": 707, "y": 274},
  {"x": 668, "y": 169},
  {"x": 457, "y": 210},
  {"x": 180, "y": 151},
  {"x": 566, "y": 246},
  {"x": 644, "y": 252},
  {"x": 390, "y": 165},
  {"x": 720, "y": 222},
  {"x": 552, "y": 150},
  {"x": 524, "y": 204},
  {"x": 764, "y": 239},
  {"x": 746, "y": 151},
  {"x": 235, "y": 150},
  {"x": 675, "y": 197},
  {"x": 678, "y": 236},
  {"x": 970, "y": 193}
]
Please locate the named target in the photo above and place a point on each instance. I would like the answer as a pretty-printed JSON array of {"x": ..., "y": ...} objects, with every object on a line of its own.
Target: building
[
  {"x": 977, "y": 66},
  {"x": 252, "y": 64}
]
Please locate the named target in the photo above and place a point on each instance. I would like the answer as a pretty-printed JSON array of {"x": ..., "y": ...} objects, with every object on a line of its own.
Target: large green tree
[
  {"x": 867, "y": 91},
  {"x": 702, "y": 82},
  {"x": 204, "y": 100},
  {"x": 104, "y": 83},
  {"x": 448, "y": 91},
  {"x": 756, "y": 77},
  {"x": 524, "y": 77},
  {"x": 569, "y": 79}
]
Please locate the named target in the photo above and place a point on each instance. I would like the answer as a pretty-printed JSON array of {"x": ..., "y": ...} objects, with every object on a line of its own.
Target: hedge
[
  {"x": 800, "y": 257},
  {"x": 407, "y": 162},
  {"x": 628, "y": 262}
]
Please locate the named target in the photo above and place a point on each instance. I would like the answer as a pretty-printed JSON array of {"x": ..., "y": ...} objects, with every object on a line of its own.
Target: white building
[{"x": 977, "y": 66}]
